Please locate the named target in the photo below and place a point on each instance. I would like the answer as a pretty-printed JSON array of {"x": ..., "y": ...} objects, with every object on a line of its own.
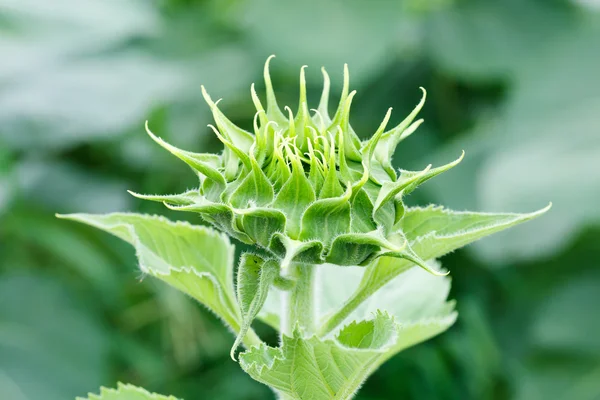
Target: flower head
[{"x": 303, "y": 186}]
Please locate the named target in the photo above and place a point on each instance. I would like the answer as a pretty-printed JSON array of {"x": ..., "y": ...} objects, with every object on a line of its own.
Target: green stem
[{"x": 298, "y": 308}]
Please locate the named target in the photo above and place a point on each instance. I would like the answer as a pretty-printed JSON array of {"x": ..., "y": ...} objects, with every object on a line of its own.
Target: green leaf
[
  {"x": 335, "y": 368},
  {"x": 416, "y": 299},
  {"x": 433, "y": 232},
  {"x": 254, "y": 279},
  {"x": 314, "y": 368},
  {"x": 194, "y": 259},
  {"x": 413, "y": 297},
  {"x": 125, "y": 392}
]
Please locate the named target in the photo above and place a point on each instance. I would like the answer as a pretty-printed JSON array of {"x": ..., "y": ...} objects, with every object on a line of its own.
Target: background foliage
[{"x": 514, "y": 83}]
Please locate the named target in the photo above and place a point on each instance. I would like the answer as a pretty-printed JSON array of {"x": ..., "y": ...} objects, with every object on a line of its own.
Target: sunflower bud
[{"x": 304, "y": 187}]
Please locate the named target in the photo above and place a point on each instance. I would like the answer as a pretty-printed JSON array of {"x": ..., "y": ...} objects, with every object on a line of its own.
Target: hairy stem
[{"x": 297, "y": 304}]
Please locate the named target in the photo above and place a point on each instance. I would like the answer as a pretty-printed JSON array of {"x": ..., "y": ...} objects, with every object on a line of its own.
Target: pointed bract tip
[
  {"x": 351, "y": 95},
  {"x": 150, "y": 133},
  {"x": 267, "y": 63},
  {"x": 216, "y": 131},
  {"x": 302, "y": 87},
  {"x": 173, "y": 207},
  {"x": 289, "y": 111},
  {"x": 346, "y": 77},
  {"x": 543, "y": 210},
  {"x": 387, "y": 116},
  {"x": 206, "y": 96},
  {"x": 135, "y": 194}
]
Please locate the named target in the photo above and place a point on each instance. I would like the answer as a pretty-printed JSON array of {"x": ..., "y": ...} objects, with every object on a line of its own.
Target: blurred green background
[{"x": 515, "y": 83}]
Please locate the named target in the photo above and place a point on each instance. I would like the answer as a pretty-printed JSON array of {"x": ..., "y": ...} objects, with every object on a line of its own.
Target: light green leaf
[
  {"x": 194, "y": 259},
  {"x": 414, "y": 296},
  {"x": 313, "y": 368},
  {"x": 431, "y": 232},
  {"x": 335, "y": 368},
  {"x": 434, "y": 231},
  {"x": 125, "y": 392},
  {"x": 254, "y": 279}
]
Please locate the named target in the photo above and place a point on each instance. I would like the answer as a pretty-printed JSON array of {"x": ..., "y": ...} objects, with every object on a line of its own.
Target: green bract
[{"x": 316, "y": 202}]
